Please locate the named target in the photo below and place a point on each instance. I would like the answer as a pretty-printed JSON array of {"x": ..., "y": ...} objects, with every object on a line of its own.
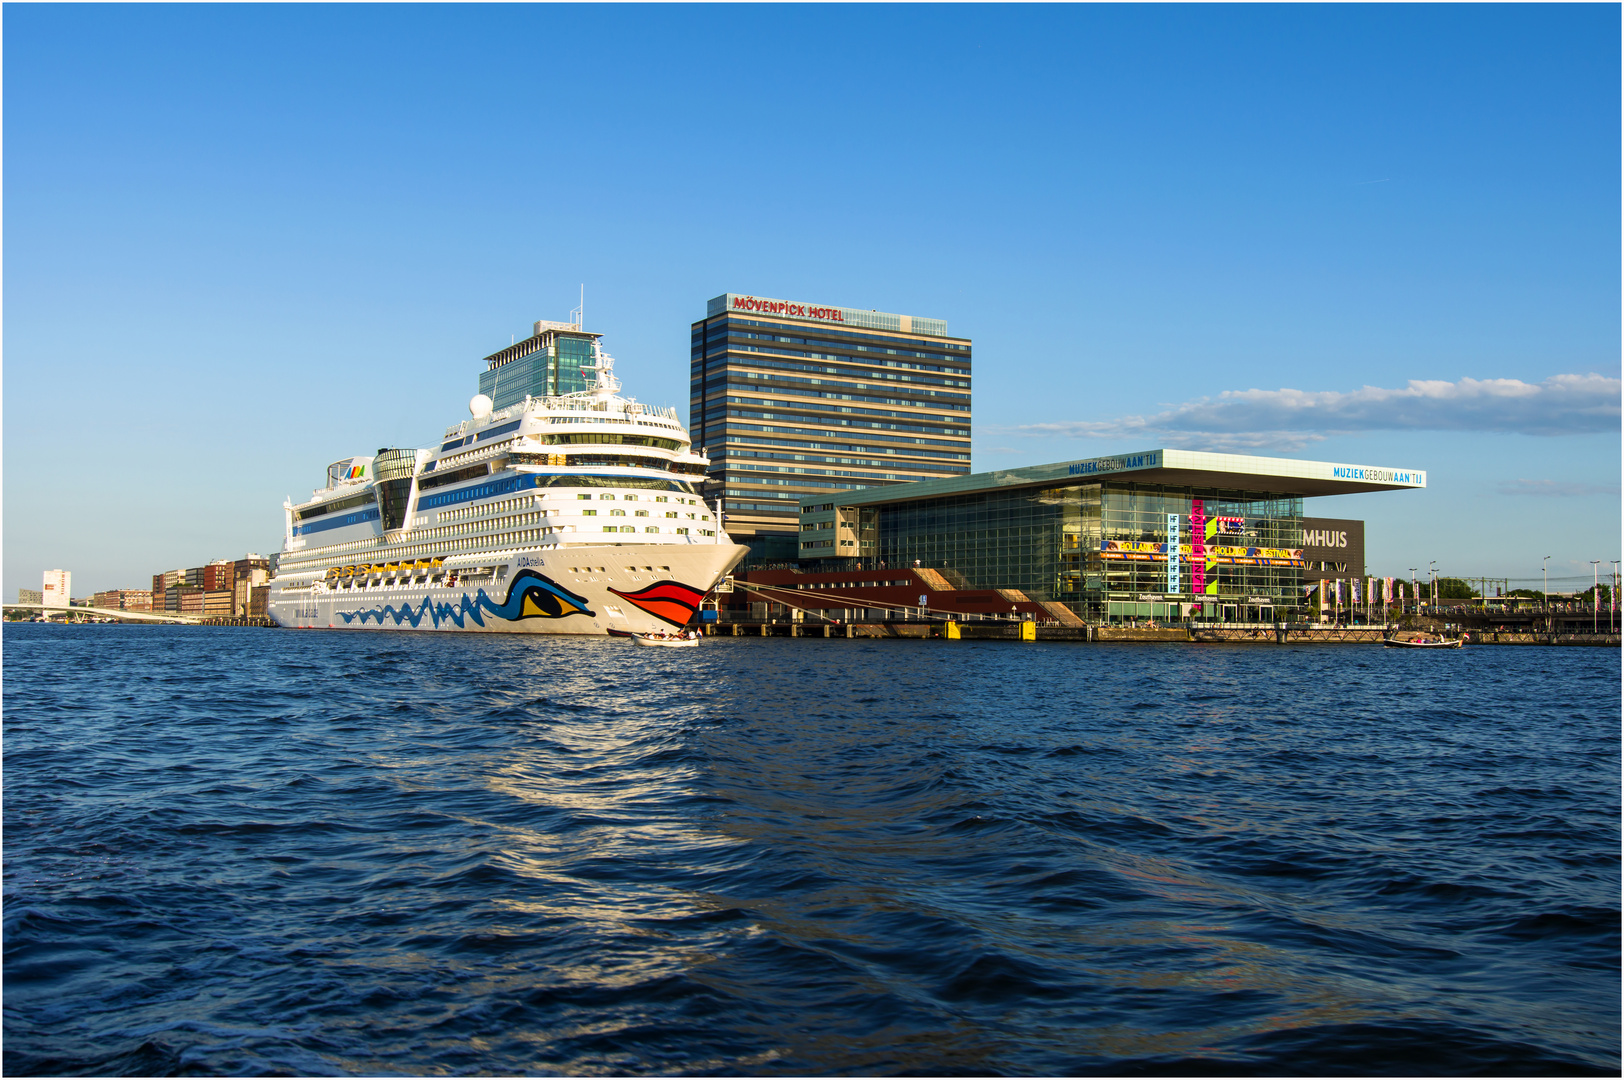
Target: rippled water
[{"x": 249, "y": 851}]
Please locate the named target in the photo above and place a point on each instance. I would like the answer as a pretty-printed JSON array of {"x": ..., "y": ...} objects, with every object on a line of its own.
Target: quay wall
[{"x": 1173, "y": 635}]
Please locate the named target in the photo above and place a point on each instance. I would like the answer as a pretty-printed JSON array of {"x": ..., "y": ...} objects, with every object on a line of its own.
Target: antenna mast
[{"x": 578, "y": 316}]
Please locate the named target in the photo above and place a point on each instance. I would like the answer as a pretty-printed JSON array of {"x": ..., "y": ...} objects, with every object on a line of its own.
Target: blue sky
[{"x": 244, "y": 241}]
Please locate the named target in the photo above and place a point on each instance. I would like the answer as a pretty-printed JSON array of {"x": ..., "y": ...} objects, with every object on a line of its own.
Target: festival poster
[
  {"x": 1198, "y": 546},
  {"x": 1173, "y": 554},
  {"x": 1212, "y": 559}
]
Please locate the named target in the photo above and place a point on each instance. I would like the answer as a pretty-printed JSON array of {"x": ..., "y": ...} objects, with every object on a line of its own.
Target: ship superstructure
[{"x": 575, "y": 513}]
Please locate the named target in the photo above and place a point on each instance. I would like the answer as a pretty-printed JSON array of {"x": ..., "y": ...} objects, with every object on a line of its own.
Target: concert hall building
[
  {"x": 1155, "y": 534},
  {"x": 796, "y": 400}
]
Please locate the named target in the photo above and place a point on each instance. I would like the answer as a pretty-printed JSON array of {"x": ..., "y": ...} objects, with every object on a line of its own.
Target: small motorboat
[
  {"x": 679, "y": 640},
  {"x": 1424, "y": 641}
]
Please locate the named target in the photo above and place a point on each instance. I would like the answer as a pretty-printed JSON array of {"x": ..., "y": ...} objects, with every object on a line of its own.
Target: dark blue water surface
[{"x": 253, "y": 851}]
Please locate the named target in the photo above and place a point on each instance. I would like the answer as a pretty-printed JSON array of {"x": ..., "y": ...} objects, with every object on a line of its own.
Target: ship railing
[{"x": 569, "y": 403}]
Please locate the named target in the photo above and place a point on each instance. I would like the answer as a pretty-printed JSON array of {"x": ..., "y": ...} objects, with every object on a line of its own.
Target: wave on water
[{"x": 237, "y": 851}]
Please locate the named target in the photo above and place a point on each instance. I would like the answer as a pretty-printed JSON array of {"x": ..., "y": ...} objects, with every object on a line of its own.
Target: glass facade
[
  {"x": 791, "y": 401},
  {"x": 551, "y": 362},
  {"x": 1102, "y": 549}
]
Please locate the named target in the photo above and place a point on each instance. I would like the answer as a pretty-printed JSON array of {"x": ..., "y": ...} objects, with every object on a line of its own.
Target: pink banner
[{"x": 1198, "y": 546}]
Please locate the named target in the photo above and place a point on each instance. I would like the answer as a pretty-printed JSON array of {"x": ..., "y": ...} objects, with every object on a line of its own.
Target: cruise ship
[{"x": 567, "y": 513}]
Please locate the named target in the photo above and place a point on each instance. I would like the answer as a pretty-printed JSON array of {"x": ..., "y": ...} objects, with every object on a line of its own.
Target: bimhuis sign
[{"x": 1333, "y": 547}]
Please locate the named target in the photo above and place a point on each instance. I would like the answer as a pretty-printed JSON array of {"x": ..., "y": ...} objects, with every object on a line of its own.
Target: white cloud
[
  {"x": 1554, "y": 488},
  {"x": 1292, "y": 419}
]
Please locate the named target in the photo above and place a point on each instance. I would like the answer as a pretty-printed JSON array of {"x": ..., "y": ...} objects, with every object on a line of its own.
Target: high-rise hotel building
[{"x": 793, "y": 399}]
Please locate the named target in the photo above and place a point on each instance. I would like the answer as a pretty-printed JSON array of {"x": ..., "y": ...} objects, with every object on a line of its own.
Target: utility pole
[{"x": 1415, "y": 593}]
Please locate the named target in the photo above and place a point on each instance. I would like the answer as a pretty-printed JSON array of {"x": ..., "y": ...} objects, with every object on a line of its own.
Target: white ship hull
[{"x": 640, "y": 588}]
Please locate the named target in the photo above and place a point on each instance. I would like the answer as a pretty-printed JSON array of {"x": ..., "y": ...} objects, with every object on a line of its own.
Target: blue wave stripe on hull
[{"x": 548, "y": 599}]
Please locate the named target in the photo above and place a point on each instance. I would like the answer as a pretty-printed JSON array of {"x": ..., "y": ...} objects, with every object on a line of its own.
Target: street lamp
[
  {"x": 1545, "y": 601},
  {"x": 1595, "y": 593},
  {"x": 1415, "y": 592},
  {"x": 1612, "y": 601},
  {"x": 1432, "y": 572}
]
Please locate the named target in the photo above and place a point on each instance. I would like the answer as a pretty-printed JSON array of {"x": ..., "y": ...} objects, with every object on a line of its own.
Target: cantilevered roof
[{"x": 1172, "y": 468}]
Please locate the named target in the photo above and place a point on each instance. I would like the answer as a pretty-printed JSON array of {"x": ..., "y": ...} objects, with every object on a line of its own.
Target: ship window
[
  {"x": 630, "y": 498},
  {"x": 611, "y": 528},
  {"x": 586, "y": 496},
  {"x": 328, "y": 508},
  {"x": 651, "y": 528},
  {"x": 661, "y": 498},
  {"x": 606, "y": 495},
  {"x": 628, "y": 528},
  {"x": 641, "y": 513},
  {"x": 670, "y": 513},
  {"x": 578, "y": 480},
  {"x": 589, "y": 513},
  {"x": 617, "y": 513}
]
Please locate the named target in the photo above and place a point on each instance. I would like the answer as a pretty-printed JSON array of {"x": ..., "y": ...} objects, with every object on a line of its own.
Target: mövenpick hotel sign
[{"x": 786, "y": 307}]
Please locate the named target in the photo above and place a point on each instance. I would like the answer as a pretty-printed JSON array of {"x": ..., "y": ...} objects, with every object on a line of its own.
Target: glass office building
[
  {"x": 1157, "y": 534},
  {"x": 556, "y": 359},
  {"x": 793, "y": 400}
]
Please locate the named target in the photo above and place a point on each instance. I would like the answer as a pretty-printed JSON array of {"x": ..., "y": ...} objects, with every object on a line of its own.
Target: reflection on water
[{"x": 801, "y": 857}]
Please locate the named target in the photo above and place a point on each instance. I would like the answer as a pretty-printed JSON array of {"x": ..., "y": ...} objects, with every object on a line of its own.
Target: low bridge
[{"x": 114, "y": 613}]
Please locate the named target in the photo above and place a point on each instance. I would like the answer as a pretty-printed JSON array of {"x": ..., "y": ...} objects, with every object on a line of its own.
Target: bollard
[{"x": 1029, "y": 631}]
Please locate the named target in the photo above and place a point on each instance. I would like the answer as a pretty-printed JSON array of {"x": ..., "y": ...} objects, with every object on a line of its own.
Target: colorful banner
[
  {"x": 1198, "y": 547},
  {"x": 1145, "y": 551},
  {"x": 1173, "y": 552},
  {"x": 1138, "y": 546},
  {"x": 1259, "y": 552},
  {"x": 1212, "y": 560},
  {"x": 1203, "y": 551}
]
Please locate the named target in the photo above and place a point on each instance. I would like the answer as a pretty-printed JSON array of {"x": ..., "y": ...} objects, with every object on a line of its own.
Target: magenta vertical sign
[{"x": 1198, "y": 546}]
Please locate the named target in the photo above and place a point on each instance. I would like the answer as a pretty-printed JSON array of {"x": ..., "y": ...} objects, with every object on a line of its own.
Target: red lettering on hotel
[{"x": 778, "y": 307}]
